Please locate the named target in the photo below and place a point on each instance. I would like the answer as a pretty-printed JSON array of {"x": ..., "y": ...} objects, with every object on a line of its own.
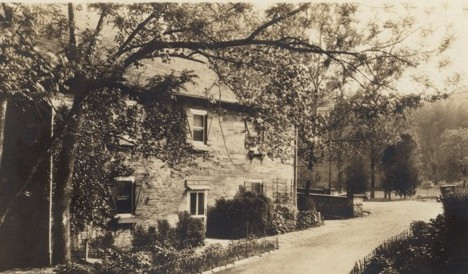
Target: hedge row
[
  {"x": 169, "y": 260},
  {"x": 439, "y": 246}
]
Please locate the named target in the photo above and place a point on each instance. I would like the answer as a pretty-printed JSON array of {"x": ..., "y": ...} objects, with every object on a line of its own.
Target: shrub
[
  {"x": 426, "y": 249},
  {"x": 456, "y": 220},
  {"x": 248, "y": 247},
  {"x": 166, "y": 234},
  {"x": 456, "y": 208},
  {"x": 283, "y": 220},
  {"x": 123, "y": 262},
  {"x": 74, "y": 268},
  {"x": 247, "y": 214},
  {"x": 307, "y": 219},
  {"x": 170, "y": 260},
  {"x": 143, "y": 239},
  {"x": 189, "y": 232},
  {"x": 103, "y": 241}
]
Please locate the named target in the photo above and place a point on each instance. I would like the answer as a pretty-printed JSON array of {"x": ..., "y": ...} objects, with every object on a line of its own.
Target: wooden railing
[{"x": 361, "y": 265}]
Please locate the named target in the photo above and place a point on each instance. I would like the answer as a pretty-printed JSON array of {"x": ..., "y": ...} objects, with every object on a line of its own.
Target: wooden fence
[{"x": 361, "y": 265}]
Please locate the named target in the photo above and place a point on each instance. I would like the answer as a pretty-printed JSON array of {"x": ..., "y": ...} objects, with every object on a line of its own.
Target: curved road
[{"x": 334, "y": 247}]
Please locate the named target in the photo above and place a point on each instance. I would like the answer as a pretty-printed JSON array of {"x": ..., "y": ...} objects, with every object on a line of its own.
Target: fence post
[{"x": 86, "y": 249}]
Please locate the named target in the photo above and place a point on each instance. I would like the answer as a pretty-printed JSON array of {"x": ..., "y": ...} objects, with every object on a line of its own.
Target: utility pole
[
  {"x": 296, "y": 135},
  {"x": 51, "y": 179}
]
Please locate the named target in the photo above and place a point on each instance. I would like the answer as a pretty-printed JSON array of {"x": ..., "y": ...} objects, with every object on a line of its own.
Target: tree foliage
[
  {"x": 441, "y": 130},
  {"x": 399, "y": 165},
  {"x": 357, "y": 177},
  {"x": 454, "y": 153}
]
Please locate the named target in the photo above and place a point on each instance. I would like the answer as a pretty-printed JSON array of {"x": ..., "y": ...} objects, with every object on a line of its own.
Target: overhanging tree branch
[
  {"x": 129, "y": 39},
  {"x": 99, "y": 26},
  {"x": 155, "y": 45},
  {"x": 276, "y": 20}
]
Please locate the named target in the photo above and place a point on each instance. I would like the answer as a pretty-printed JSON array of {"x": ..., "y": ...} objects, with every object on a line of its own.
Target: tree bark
[
  {"x": 372, "y": 173},
  {"x": 63, "y": 186},
  {"x": 3, "y": 104}
]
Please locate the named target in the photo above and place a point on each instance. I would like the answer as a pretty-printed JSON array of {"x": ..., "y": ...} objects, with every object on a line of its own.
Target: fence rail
[{"x": 361, "y": 265}]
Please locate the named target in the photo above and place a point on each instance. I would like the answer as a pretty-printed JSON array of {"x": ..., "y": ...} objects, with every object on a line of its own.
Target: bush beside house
[
  {"x": 250, "y": 214},
  {"x": 247, "y": 214},
  {"x": 167, "y": 259}
]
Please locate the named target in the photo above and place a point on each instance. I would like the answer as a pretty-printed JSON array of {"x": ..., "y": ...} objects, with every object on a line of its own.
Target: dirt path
[{"x": 334, "y": 247}]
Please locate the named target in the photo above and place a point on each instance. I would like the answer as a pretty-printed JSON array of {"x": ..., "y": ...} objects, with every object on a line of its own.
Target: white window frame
[
  {"x": 189, "y": 194},
  {"x": 204, "y": 127},
  {"x": 255, "y": 181},
  {"x": 205, "y": 204}
]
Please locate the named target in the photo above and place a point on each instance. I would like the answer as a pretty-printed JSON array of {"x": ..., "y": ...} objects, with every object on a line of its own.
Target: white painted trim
[
  {"x": 125, "y": 179},
  {"x": 205, "y": 204},
  {"x": 198, "y": 111},
  {"x": 254, "y": 181}
]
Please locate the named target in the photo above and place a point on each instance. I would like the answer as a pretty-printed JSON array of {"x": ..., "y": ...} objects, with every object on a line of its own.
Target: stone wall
[
  {"x": 331, "y": 206},
  {"x": 227, "y": 167},
  {"x": 223, "y": 165}
]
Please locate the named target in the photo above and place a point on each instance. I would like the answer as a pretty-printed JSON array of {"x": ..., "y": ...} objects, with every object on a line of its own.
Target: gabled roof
[{"x": 204, "y": 86}]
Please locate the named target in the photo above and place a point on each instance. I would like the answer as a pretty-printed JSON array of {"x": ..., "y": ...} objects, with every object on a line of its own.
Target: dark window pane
[
  {"x": 123, "y": 197},
  {"x": 193, "y": 203},
  {"x": 198, "y": 120},
  {"x": 257, "y": 188},
  {"x": 198, "y": 135},
  {"x": 201, "y": 203}
]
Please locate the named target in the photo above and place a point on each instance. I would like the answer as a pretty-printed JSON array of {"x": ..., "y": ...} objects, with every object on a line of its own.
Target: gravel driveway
[{"x": 334, "y": 247}]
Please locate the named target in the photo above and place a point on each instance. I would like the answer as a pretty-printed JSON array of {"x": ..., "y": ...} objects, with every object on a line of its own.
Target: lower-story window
[
  {"x": 197, "y": 202},
  {"x": 254, "y": 185}
]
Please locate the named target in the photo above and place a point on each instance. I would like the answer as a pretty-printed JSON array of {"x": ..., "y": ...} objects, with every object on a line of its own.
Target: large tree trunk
[
  {"x": 372, "y": 174},
  {"x": 63, "y": 186},
  {"x": 3, "y": 103}
]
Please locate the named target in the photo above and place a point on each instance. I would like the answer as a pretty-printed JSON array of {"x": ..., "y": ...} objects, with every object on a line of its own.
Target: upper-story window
[
  {"x": 124, "y": 197},
  {"x": 199, "y": 128}
]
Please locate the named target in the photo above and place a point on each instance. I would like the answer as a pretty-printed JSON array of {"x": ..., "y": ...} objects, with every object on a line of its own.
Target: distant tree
[
  {"x": 388, "y": 170},
  {"x": 356, "y": 177},
  {"x": 431, "y": 122},
  {"x": 454, "y": 153},
  {"x": 399, "y": 166}
]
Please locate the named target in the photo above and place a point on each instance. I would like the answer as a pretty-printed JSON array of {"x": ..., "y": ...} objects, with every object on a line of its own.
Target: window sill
[
  {"x": 200, "y": 147},
  {"x": 126, "y": 218}
]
